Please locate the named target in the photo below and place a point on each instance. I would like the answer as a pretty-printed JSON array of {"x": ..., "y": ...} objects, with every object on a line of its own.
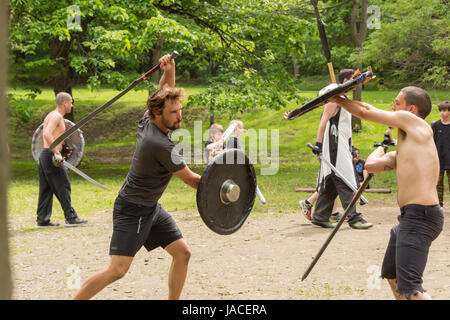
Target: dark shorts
[
  {"x": 410, "y": 241},
  {"x": 136, "y": 225}
]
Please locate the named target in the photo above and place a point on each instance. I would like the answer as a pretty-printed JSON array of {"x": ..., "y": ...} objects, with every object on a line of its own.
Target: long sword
[
  {"x": 336, "y": 228},
  {"x": 83, "y": 175},
  {"x": 323, "y": 39},
  {"x": 83, "y": 121}
]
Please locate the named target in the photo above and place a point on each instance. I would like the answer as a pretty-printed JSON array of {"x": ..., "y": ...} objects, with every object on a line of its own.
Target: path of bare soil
[{"x": 265, "y": 259}]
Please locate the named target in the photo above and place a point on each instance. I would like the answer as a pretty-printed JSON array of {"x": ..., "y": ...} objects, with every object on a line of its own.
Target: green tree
[
  {"x": 412, "y": 44},
  {"x": 233, "y": 39},
  {"x": 56, "y": 42},
  {"x": 5, "y": 270}
]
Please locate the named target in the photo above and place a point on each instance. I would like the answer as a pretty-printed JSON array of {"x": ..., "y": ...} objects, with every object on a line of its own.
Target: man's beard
[{"x": 173, "y": 126}]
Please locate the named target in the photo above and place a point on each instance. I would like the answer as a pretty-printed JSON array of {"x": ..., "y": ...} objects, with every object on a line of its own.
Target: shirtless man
[
  {"x": 138, "y": 218},
  {"x": 417, "y": 165},
  {"x": 53, "y": 178}
]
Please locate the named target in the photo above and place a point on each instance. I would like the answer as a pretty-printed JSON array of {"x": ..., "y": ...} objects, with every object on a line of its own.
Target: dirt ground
[{"x": 265, "y": 259}]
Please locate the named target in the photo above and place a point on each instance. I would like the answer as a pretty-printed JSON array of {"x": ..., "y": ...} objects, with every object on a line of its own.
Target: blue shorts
[
  {"x": 407, "y": 251},
  {"x": 136, "y": 225}
]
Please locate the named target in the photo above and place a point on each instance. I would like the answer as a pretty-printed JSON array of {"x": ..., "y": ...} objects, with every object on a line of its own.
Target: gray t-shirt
[{"x": 153, "y": 163}]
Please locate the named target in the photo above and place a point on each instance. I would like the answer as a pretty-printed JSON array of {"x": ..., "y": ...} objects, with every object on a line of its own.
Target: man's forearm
[
  {"x": 356, "y": 108},
  {"x": 321, "y": 130},
  {"x": 168, "y": 79},
  {"x": 379, "y": 161}
]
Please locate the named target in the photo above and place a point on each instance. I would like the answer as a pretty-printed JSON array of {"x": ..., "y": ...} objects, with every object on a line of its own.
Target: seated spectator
[{"x": 361, "y": 172}]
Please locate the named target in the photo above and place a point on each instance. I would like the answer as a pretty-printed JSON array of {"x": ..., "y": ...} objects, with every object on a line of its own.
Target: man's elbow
[{"x": 364, "y": 112}]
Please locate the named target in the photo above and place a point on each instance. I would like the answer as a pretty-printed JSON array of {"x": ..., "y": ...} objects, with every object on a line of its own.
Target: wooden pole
[
  {"x": 367, "y": 190},
  {"x": 5, "y": 271}
]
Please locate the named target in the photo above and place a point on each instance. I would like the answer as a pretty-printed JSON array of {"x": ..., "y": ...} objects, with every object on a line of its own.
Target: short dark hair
[
  {"x": 157, "y": 100},
  {"x": 62, "y": 97},
  {"x": 418, "y": 97},
  {"x": 444, "y": 105},
  {"x": 345, "y": 74}
]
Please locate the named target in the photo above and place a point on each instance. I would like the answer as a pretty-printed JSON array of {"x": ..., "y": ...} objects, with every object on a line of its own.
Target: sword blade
[
  {"x": 229, "y": 131},
  {"x": 83, "y": 121},
  {"x": 340, "y": 175},
  {"x": 260, "y": 195},
  {"x": 83, "y": 175},
  {"x": 336, "y": 228}
]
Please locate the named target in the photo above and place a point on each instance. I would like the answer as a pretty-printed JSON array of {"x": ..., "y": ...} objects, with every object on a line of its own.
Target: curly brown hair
[{"x": 157, "y": 100}]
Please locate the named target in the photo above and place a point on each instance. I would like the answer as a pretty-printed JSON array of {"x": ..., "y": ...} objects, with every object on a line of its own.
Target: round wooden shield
[{"x": 226, "y": 192}]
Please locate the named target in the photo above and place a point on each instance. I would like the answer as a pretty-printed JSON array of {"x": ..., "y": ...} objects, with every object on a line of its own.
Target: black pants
[
  {"x": 407, "y": 251},
  {"x": 440, "y": 185},
  {"x": 332, "y": 187},
  {"x": 52, "y": 181}
]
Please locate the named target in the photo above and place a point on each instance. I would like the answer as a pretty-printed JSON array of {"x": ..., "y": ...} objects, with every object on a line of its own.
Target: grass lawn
[{"x": 297, "y": 167}]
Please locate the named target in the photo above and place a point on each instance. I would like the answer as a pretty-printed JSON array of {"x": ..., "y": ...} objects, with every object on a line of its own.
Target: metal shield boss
[
  {"x": 75, "y": 142},
  {"x": 226, "y": 192}
]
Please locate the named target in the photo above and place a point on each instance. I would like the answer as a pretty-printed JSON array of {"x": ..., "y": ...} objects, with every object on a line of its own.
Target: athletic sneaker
[
  {"x": 360, "y": 224},
  {"x": 306, "y": 209},
  {"x": 75, "y": 222},
  {"x": 335, "y": 217},
  {"x": 47, "y": 224},
  {"x": 324, "y": 224}
]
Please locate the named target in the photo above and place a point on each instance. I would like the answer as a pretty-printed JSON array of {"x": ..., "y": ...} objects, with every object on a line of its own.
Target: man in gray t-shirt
[
  {"x": 138, "y": 219},
  {"x": 153, "y": 163}
]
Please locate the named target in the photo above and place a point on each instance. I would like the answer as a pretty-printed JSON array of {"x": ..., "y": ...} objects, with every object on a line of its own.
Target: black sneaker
[
  {"x": 324, "y": 224},
  {"x": 47, "y": 224},
  {"x": 74, "y": 222},
  {"x": 360, "y": 224}
]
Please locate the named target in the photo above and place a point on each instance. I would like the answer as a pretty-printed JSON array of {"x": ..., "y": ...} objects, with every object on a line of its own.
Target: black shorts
[
  {"x": 410, "y": 241},
  {"x": 136, "y": 225}
]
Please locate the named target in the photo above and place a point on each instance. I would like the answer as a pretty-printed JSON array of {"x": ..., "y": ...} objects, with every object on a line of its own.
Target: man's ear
[
  {"x": 413, "y": 108},
  {"x": 157, "y": 113}
]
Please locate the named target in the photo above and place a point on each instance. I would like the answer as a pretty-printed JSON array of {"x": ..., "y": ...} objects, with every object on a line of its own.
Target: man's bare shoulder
[
  {"x": 53, "y": 119},
  {"x": 53, "y": 116},
  {"x": 410, "y": 122},
  {"x": 330, "y": 108}
]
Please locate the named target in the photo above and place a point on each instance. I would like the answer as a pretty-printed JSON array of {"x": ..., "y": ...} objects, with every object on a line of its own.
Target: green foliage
[
  {"x": 234, "y": 93},
  {"x": 412, "y": 43},
  {"x": 246, "y": 51},
  {"x": 20, "y": 108}
]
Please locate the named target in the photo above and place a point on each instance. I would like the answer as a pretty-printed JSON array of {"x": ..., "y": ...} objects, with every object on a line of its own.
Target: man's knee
[
  {"x": 118, "y": 268},
  {"x": 117, "y": 272},
  {"x": 180, "y": 251},
  {"x": 183, "y": 255}
]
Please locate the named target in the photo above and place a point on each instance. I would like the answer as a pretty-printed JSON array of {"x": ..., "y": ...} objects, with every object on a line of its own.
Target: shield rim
[
  {"x": 36, "y": 154},
  {"x": 205, "y": 174}
]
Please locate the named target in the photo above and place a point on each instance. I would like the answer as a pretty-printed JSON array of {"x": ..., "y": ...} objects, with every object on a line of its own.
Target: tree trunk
[
  {"x": 5, "y": 271},
  {"x": 358, "y": 27},
  {"x": 156, "y": 55},
  {"x": 295, "y": 68},
  {"x": 62, "y": 81},
  {"x": 213, "y": 71}
]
